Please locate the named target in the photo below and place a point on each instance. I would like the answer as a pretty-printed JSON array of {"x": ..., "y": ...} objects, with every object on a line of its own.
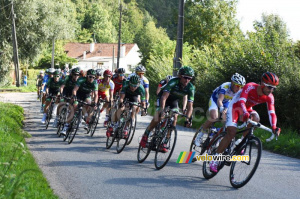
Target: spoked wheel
[
  {"x": 49, "y": 116},
  {"x": 132, "y": 130},
  {"x": 61, "y": 121},
  {"x": 95, "y": 123},
  {"x": 143, "y": 153},
  {"x": 199, "y": 149},
  {"x": 242, "y": 171},
  {"x": 122, "y": 137},
  {"x": 74, "y": 128},
  {"x": 165, "y": 148},
  {"x": 212, "y": 150},
  {"x": 110, "y": 140}
]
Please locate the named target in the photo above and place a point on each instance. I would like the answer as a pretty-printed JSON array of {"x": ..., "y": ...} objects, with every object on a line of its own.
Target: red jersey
[{"x": 118, "y": 84}]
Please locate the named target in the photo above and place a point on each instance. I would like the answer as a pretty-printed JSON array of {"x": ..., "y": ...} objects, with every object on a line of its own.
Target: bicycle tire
[
  {"x": 161, "y": 159},
  {"x": 143, "y": 153},
  {"x": 61, "y": 121},
  {"x": 49, "y": 115},
  {"x": 121, "y": 141},
  {"x": 110, "y": 140},
  {"x": 199, "y": 149},
  {"x": 212, "y": 150},
  {"x": 252, "y": 148},
  {"x": 132, "y": 131},
  {"x": 75, "y": 124},
  {"x": 95, "y": 123}
]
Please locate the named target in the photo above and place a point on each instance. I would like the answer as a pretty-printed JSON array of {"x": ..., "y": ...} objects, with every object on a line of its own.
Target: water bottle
[{"x": 213, "y": 131}]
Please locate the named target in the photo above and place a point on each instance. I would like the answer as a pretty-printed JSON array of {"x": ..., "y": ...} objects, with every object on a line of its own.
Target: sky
[{"x": 251, "y": 10}]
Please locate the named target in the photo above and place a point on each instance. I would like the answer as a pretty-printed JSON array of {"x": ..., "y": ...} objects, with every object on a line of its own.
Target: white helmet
[
  {"x": 51, "y": 70},
  {"x": 42, "y": 72},
  {"x": 238, "y": 79}
]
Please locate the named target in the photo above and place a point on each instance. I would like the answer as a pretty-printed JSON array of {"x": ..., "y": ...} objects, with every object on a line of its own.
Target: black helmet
[
  {"x": 75, "y": 71},
  {"x": 91, "y": 72},
  {"x": 120, "y": 70}
]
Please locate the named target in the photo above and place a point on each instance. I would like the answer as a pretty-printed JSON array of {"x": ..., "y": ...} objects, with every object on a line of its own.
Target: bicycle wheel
[
  {"x": 110, "y": 140},
  {"x": 74, "y": 128},
  {"x": 122, "y": 139},
  {"x": 212, "y": 150},
  {"x": 95, "y": 122},
  {"x": 132, "y": 131},
  {"x": 61, "y": 121},
  {"x": 199, "y": 149},
  {"x": 169, "y": 141},
  {"x": 49, "y": 115},
  {"x": 242, "y": 171},
  {"x": 143, "y": 153}
]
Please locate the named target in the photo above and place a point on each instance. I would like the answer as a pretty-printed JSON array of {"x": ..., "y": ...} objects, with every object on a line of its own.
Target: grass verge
[
  {"x": 20, "y": 176},
  {"x": 24, "y": 89}
]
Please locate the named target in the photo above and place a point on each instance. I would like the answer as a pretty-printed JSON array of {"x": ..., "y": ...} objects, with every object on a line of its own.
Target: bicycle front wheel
[
  {"x": 132, "y": 130},
  {"x": 74, "y": 128},
  {"x": 61, "y": 121},
  {"x": 242, "y": 171},
  {"x": 95, "y": 122},
  {"x": 122, "y": 137},
  {"x": 165, "y": 148}
]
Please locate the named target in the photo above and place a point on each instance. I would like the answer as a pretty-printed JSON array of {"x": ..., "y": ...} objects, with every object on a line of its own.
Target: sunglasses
[
  {"x": 238, "y": 85},
  {"x": 76, "y": 74},
  {"x": 134, "y": 85},
  {"x": 57, "y": 76},
  {"x": 92, "y": 77},
  {"x": 107, "y": 76},
  {"x": 270, "y": 86},
  {"x": 121, "y": 75},
  {"x": 187, "y": 77},
  {"x": 140, "y": 73}
]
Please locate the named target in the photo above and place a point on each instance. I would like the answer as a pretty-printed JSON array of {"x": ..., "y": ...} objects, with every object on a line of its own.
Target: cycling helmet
[
  {"x": 56, "y": 72},
  {"x": 270, "y": 79},
  {"x": 186, "y": 70},
  {"x": 169, "y": 77},
  {"x": 238, "y": 79},
  {"x": 51, "y": 70},
  {"x": 75, "y": 71},
  {"x": 47, "y": 71},
  {"x": 135, "y": 80},
  {"x": 107, "y": 72},
  {"x": 91, "y": 72},
  {"x": 99, "y": 72},
  {"x": 140, "y": 68},
  {"x": 41, "y": 72},
  {"x": 121, "y": 70}
]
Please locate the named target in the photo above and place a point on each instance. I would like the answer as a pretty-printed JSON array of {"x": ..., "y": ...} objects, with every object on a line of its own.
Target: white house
[{"x": 104, "y": 55}]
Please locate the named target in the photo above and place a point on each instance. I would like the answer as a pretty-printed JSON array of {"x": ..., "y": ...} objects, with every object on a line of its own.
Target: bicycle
[
  {"x": 250, "y": 145},
  {"x": 50, "y": 110},
  {"x": 95, "y": 118},
  {"x": 125, "y": 121},
  {"x": 113, "y": 110},
  {"x": 74, "y": 125},
  {"x": 164, "y": 134},
  {"x": 63, "y": 116}
]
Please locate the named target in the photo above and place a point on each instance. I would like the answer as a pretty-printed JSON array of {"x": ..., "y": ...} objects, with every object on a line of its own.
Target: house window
[{"x": 99, "y": 64}]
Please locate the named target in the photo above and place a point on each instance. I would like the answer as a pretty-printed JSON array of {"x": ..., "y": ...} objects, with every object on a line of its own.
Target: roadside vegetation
[{"x": 20, "y": 176}]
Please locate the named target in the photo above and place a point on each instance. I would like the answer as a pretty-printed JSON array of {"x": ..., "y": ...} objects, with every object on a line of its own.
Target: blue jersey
[
  {"x": 224, "y": 89},
  {"x": 144, "y": 80}
]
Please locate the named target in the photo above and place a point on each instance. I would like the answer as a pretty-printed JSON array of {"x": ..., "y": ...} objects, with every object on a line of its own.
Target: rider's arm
[
  {"x": 189, "y": 109},
  {"x": 163, "y": 100},
  {"x": 184, "y": 102},
  {"x": 95, "y": 96},
  {"x": 111, "y": 95},
  {"x": 62, "y": 88},
  {"x": 147, "y": 94},
  {"x": 220, "y": 100},
  {"x": 271, "y": 111},
  {"x": 74, "y": 92},
  {"x": 122, "y": 95}
]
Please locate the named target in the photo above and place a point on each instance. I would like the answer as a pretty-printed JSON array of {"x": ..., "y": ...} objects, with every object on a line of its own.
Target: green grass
[
  {"x": 20, "y": 176},
  {"x": 24, "y": 89}
]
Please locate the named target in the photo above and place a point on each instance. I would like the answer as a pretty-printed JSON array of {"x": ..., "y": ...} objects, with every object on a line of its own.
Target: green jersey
[
  {"x": 85, "y": 87},
  {"x": 177, "y": 91},
  {"x": 139, "y": 91},
  {"x": 69, "y": 84},
  {"x": 54, "y": 86}
]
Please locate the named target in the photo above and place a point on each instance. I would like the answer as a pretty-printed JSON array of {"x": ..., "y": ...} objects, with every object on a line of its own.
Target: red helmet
[
  {"x": 270, "y": 79},
  {"x": 107, "y": 72}
]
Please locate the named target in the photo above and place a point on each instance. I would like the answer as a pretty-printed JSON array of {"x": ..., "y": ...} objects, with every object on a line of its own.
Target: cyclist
[
  {"x": 140, "y": 71},
  {"x": 219, "y": 101},
  {"x": 84, "y": 88},
  {"x": 39, "y": 82},
  {"x": 99, "y": 73},
  {"x": 52, "y": 89},
  {"x": 241, "y": 106},
  {"x": 118, "y": 79},
  {"x": 66, "y": 90},
  {"x": 131, "y": 89},
  {"x": 162, "y": 83},
  {"x": 49, "y": 74},
  {"x": 105, "y": 90},
  {"x": 175, "y": 89}
]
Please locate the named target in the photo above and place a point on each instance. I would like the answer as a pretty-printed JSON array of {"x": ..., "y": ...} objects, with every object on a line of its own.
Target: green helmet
[
  {"x": 186, "y": 70},
  {"x": 56, "y": 72},
  {"x": 91, "y": 72},
  {"x": 75, "y": 71},
  {"x": 47, "y": 71},
  {"x": 135, "y": 80}
]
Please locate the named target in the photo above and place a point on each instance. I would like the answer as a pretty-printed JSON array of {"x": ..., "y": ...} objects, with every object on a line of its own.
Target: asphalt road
[{"x": 86, "y": 169}]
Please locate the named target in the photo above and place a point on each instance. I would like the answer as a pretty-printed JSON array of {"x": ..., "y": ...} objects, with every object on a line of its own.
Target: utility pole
[
  {"x": 53, "y": 49},
  {"x": 119, "y": 42},
  {"x": 113, "y": 58},
  {"x": 15, "y": 45},
  {"x": 179, "y": 43}
]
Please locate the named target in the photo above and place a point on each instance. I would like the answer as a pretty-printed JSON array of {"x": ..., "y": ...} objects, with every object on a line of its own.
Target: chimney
[
  {"x": 92, "y": 47},
  {"x": 122, "y": 51},
  {"x": 84, "y": 54}
]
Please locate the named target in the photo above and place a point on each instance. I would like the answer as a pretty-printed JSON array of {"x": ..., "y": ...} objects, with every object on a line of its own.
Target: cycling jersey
[
  {"x": 54, "y": 86},
  {"x": 224, "y": 89},
  {"x": 243, "y": 102},
  {"x": 69, "y": 85},
  {"x": 118, "y": 83},
  {"x": 177, "y": 92},
  {"x": 40, "y": 80},
  {"x": 162, "y": 83},
  {"x": 144, "y": 80},
  {"x": 129, "y": 94},
  {"x": 104, "y": 87},
  {"x": 85, "y": 87}
]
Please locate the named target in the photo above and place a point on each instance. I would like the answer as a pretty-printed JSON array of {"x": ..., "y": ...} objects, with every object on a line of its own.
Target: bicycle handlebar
[{"x": 259, "y": 125}]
